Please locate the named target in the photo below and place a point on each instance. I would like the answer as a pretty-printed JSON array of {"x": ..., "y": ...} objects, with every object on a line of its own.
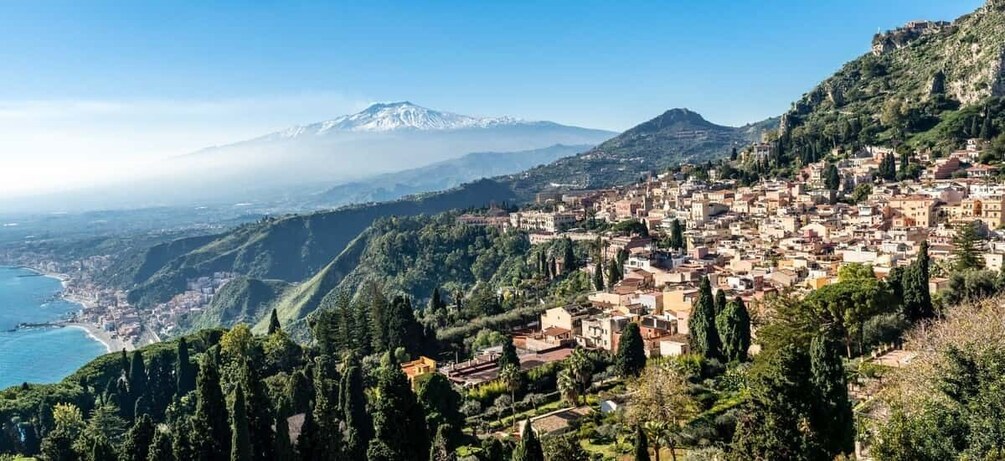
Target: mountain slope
[
  {"x": 677, "y": 136},
  {"x": 925, "y": 83},
  {"x": 444, "y": 175}
]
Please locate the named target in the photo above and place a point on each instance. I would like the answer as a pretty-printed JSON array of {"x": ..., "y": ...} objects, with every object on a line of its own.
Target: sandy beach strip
[{"x": 102, "y": 336}]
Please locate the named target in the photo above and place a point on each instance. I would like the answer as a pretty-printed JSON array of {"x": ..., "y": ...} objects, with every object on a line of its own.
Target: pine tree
[
  {"x": 641, "y": 445},
  {"x": 137, "y": 443},
  {"x": 240, "y": 440},
  {"x": 184, "y": 371},
  {"x": 398, "y": 419},
  {"x": 631, "y": 356},
  {"x": 160, "y": 447},
  {"x": 965, "y": 253},
  {"x": 831, "y": 415},
  {"x": 529, "y": 448},
  {"x": 704, "y": 336},
  {"x": 733, "y": 325},
  {"x": 274, "y": 325},
  {"x": 598, "y": 277},
  {"x": 211, "y": 438}
]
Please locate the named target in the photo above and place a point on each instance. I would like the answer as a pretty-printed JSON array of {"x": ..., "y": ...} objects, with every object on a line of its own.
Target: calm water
[{"x": 38, "y": 355}]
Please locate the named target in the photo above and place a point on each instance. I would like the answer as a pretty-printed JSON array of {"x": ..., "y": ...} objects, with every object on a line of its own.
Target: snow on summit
[{"x": 398, "y": 116}]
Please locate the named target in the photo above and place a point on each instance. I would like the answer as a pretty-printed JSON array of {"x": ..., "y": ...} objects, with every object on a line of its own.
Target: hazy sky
[{"x": 93, "y": 90}]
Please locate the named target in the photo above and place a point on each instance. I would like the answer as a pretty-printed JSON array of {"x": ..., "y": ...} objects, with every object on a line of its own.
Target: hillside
[
  {"x": 677, "y": 136},
  {"x": 444, "y": 175},
  {"x": 242, "y": 300},
  {"x": 293, "y": 248},
  {"x": 927, "y": 84}
]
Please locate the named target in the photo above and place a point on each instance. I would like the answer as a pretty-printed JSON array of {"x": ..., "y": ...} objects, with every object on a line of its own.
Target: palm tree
[
  {"x": 568, "y": 387},
  {"x": 510, "y": 375}
]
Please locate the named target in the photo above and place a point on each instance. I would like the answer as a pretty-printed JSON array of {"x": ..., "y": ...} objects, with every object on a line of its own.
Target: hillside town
[{"x": 774, "y": 237}]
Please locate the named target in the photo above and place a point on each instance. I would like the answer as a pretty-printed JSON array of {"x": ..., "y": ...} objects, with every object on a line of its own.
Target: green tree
[
  {"x": 442, "y": 448},
  {"x": 568, "y": 257},
  {"x": 704, "y": 337},
  {"x": 529, "y": 448},
  {"x": 917, "y": 297},
  {"x": 832, "y": 179},
  {"x": 677, "y": 241},
  {"x": 564, "y": 447},
  {"x": 720, "y": 302},
  {"x": 508, "y": 355},
  {"x": 136, "y": 446},
  {"x": 631, "y": 355},
  {"x": 160, "y": 447},
  {"x": 965, "y": 252},
  {"x": 184, "y": 370},
  {"x": 274, "y": 325},
  {"x": 398, "y": 419},
  {"x": 775, "y": 422},
  {"x": 284, "y": 447},
  {"x": 240, "y": 441},
  {"x": 831, "y": 415},
  {"x": 102, "y": 450},
  {"x": 733, "y": 325},
  {"x": 442, "y": 406},
  {"x": 354, "y": 409},
  {"x": 211, "y": 436},
  {"x": 513, "y": 380},
  {"x": 613, "y": 274}
]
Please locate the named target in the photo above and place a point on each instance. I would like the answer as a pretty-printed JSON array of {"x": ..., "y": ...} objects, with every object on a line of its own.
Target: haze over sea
[{"x": 42, "y": 355}]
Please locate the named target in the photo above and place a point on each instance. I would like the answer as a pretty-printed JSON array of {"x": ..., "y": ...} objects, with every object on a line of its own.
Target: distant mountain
[
  {"x": 397, "y": 116},
  {"x": 443, "y": 175},
  {"x": 677, "y": 136},
  {"x": 383, "y": 138},
  {"x": 927, "y": 84}
]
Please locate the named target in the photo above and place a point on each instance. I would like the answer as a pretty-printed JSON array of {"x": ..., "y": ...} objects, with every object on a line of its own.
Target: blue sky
[{"x": 105, "y": 85}]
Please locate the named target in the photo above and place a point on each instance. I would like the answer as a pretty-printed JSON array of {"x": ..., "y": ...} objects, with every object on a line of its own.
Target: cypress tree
[
  {"x": 677, "y": 235},
  {"x": 354, "y": 409},
  {"x": 631, "y": 356},
  {"x": 160, "y": 447},
  {"x": 184, "y": 371},
  {"x": 831, "y": 415},
  {"x": 529, "y": 448},
  {"x": 508, "y": 355},
  {"x": 641, "y": 445},
  {"x": 137, "y": 376},
  {"x": 442, "y": 448},
  {"x": 569, "y": 257},
  {"x": 598, "y": 277},
  {"x": 240, "y": 441},
  {"x": 259, "y": 413},
  {"x": 832, "y": 179},
  {"x": 274, "y": 325},
  {"x": 613, "y": 274},
  {"x": 987, "y": 130},
  {"x": 398, "y": 419},
  {"x": 136, "y": 446},
  {"x": 772, "y": 426},
  {"x": 284, "y": 447},
  {"x": 734, "y": 327},
  {"x": 704, "y": 337},
  {"x": 905, "y": 163},
  {"x": 917, "y": 298},
  {"x": 720, "y": 302},
  {"x": 211, "y": 438}
]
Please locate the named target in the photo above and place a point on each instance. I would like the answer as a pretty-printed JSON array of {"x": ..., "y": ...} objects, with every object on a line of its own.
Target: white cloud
[{"x": 61, "y": 144}]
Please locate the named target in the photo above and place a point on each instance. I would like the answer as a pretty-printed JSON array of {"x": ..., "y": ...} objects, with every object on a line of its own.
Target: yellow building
[{"x": 419, "y": 367}]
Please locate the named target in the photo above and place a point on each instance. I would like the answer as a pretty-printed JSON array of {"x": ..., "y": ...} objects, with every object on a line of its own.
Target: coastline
[
  {"x": 94, "y": 332},
  {"x": 97, "y": 334}
]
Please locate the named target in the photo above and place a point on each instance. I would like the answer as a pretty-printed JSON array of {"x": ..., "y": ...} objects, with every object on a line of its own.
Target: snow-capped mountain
[{"x": 399, "y": 116}]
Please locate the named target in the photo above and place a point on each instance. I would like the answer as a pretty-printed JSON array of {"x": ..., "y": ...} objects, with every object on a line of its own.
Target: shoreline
[{"x": 94, "y": 332}]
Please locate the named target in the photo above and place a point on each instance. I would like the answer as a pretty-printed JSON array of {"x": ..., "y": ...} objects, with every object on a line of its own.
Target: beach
[{"x": 104, "y": 337}]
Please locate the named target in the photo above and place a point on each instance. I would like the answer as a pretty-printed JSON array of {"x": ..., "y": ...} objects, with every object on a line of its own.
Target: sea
[{"x": 38, "y": 355}]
